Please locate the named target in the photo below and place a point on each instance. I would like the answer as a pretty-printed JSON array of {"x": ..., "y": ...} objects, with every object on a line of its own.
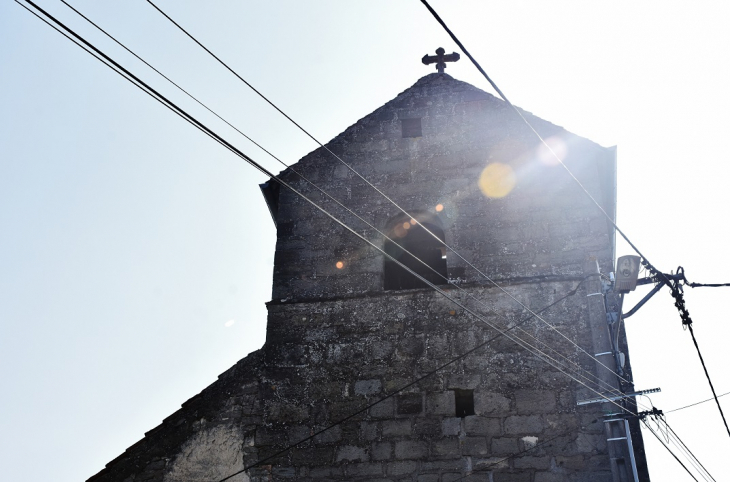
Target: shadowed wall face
[{"x": 347, "y": 326}]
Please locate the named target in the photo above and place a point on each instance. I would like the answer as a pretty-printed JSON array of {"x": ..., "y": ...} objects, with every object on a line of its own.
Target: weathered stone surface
[
  {"x": 410, "y": 404},
  {"x": 210, "y": 453},
  {"x": 535, "y": 401},
  {"x": 440, "y": 403},
  {"x": 337, "y": 341},
  {"x": 351, "y": 453},
  {"x": 451, "y": 426},
  {"x": 474, "y": 446},
  {"x": 410, "y": 449},
  {"x": 486, "y": 403},
  {"x": 382, "y": 451},
  {"x": 475, "y": 425},
  {"x": 394, "y": 428},
  {"x": 367, "y": 387},
  {"x": 444, "y": 448},
  {"x": 523, "y": 424}
]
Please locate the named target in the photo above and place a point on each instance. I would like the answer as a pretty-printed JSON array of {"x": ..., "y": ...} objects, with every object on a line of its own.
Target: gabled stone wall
[{"x": 337, "y": 342}]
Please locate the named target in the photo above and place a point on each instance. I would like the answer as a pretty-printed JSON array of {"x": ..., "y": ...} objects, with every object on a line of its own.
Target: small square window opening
[
  {"x": 464, "y": 402},
  {"x": 411, "y": 127}
]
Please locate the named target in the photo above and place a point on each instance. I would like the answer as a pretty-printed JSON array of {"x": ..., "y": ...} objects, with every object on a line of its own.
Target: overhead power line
[
  {"x": 673, "y": 438},
  {"x": 685, "y": 448},
  {"x": 645, "y": 261},
  {"x": 220, "y": 139},
  {"x": 577, "y": 366},
  {"x": 669, "y": 450},
  {"x": 401, "y": 389},
  {"x": 379, "y": 191},
  {"x": 696, "y": 403},
  {"x": 707, "y": 375},
  {"x": 170, "y": 80},
  {"x": 530, "y": 126},
  {"x": 136, "y": 81},
  {"x": 178, "y": 111},
  {"x": 159, "y": 97}
]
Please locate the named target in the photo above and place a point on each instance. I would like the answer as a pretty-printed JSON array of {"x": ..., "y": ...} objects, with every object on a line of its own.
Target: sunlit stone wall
[
  {"x": 337, "y": 342},
  {"x": 506, "y": 205}
]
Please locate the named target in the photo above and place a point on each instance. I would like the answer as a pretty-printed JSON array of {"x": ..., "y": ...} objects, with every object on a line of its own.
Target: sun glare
[
  {"x": 558, "y": 148},
  {"x": 497, "y": 180}
]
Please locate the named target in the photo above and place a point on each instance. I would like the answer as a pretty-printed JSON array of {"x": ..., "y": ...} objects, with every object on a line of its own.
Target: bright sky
[{"x": 135, "y": 253}]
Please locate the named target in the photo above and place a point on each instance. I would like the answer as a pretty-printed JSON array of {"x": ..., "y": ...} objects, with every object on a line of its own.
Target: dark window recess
[
  {"x": 420, "y": 245},
  {"x": 464, "y": 402},
  {"x": 411, "y": 127}
]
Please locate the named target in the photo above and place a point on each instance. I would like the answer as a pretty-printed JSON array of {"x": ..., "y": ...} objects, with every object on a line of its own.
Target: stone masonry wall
[
  {"x": 337, "y": 342},
  {"x": 545, "y": 227},
  {"x": 333, "y": 358},
  {"x": 323, "y": 361}
]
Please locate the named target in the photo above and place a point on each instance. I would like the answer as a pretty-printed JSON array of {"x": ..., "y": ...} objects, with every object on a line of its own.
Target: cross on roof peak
[{"x": 440, "y": 59}]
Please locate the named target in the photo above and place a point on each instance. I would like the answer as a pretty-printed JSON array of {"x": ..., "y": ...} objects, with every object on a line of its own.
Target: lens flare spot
[
  {"x": 400, "y": 231},
  {"x": 229, "y": 323},
  {"x": 406, "y": 225},
  {"x": 340, "y": 265},
  {"x": 439, "y": 208},
  {"x": 557, "y": 148},
  {"x": 413, "y": 221},
  {"x": 497, "y": 180}
]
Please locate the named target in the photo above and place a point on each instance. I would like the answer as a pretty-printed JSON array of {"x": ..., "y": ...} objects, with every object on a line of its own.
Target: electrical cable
[
  {"x": 129, "y": 76},
  {"x": 680, "y": 270},
  {"x": 500, "y": 334},
  {"x": 139, "y": 83},
  {"x": 669, "y": 450},
  {"x": 159, "y": 97},
  {"x": 171, "y": 81},
  {"x": 706, "y": 285},
  {"x": 658, "y": 417},
  {"x": 610, "y": 220},
  {"x": 390, "y": 395},
  {"x": 504, "y": 97},
  {"x": 704, "y": 367},
  {"x": 671, "y": 430},
  {"x": 390, "y": 200},
  {"x": 696, "y": 403},
  {"x": 327, "y": 194}
]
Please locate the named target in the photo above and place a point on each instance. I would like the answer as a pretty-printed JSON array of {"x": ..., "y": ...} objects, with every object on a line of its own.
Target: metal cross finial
[{"x": 440, "y": 59}]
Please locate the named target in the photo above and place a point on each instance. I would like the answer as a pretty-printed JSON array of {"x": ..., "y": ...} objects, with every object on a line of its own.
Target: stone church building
[{"x": 382, "y": 367}]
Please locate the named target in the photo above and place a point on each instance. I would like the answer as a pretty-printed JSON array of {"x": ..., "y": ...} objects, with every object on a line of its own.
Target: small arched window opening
[{"x": 411, "y": 241}]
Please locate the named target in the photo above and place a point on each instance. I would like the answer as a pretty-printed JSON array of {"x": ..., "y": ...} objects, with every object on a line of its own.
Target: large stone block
[
  {"x": 486, "y": 403},
  {"x": 396, "y": 428},
  {"x": 410, "y": 449},
  {"x": 445, "y": 448},
  {"x": 476, "y": 446},
  {"x": 382, "y": 451},
  {"x": 368, "y": 387},
  {"x": 364, "y": 469},
  {"x": 400, "y": 468},
  {"x": 504, "y": 446},
  {"x": 523, "y": 424},
  {"x": 535, "y": 401},
  {"x": 351, "y": 453},
  {"x": 442, "y": 403},
  {"x": 476, "y": 425}
]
